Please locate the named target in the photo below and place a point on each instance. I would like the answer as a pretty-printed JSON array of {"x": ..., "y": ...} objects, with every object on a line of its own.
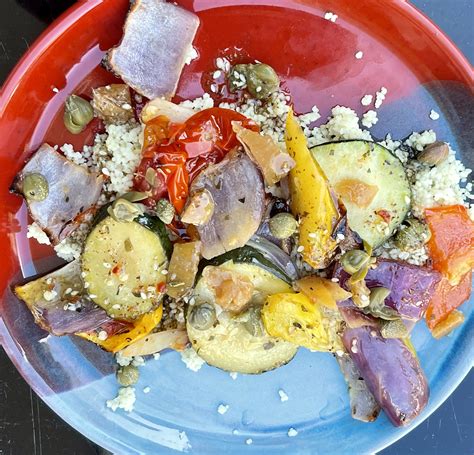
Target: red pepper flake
[
  {"x": 161, "y": 287},
  {"x": 385, "y": 215},
  {"x": 116, "y": 269}
]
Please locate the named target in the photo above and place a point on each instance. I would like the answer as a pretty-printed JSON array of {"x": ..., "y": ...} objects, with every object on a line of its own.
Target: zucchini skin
[{"x": 245, "y": 254}]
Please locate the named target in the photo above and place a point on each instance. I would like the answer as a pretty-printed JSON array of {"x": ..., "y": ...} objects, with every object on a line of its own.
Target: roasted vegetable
[
  {"x": 54, "y": 298},
  {"x": 71, "y": 190},
  {"x": 411, "y": 287},
  {"x": 446, "y": 298},
  {"x": 265, "y": 153},
  {"x": 233, "y": 342},
  {"x": 155, "y": 342},
  {"x": 294, "y": 318},
  {"x": 371, "y": 183},
  {"x": 203, "y": 316},
  {"x": 322, "y": 291},
  {"x": 138, "y": 330},
  {"x": 199, "y": 208},
  {"x": 238, "y": 193},
  {"x": 113, "y": 103},
  {"x": 391, "y": 372},
  {"x": 446, "y": 326},
  {"x": 451, "y": 246},
  {"x": 311, "y": 200},
  {"x": 183, "y": 268},
  {"x": 122, "y": 262},
  {"x": 159, "y": 106},
  {"x": 78, "y": 113},
  {"x": 363, "y": 404},
  {"x": 150, "y": 58}
]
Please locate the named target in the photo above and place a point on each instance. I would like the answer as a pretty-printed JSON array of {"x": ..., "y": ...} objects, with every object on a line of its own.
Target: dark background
[{"x": 28, "y": 426}]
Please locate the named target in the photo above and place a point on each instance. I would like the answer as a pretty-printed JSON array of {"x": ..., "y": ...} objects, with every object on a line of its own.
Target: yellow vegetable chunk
[
  {"x": 311, "y": 200},
  {"x": 141, "y": 328},
  {"x": 183, "y": 268},
  {"x": 294, "y": 318},
  {"x": 322, "y": 291}
]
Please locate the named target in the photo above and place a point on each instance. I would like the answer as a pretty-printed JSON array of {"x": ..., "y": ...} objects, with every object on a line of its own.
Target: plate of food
[{"x": 241, "y": 224}]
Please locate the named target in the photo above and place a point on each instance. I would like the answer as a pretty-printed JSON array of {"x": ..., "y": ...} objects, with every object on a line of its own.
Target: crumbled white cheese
[
  {"x": 156, "y": 355},
  {"x": 191, "y": 55},
  {"x": 222, "y": 409},
  {"x": 380, "y": 97},
  {"x": 292, "y": 432},
  {"x": 359, "y": 55},
  {"x": 366, "y": 100},
  {"x": 102, "y": 335},
  {"x": 55, "y": 90},
  {"x": 235, "y": 431},
  {"x": 233, "y": 375},
  {"x": 434, "y": 115},
  {"x": 138, "y": 361},
  {"x": 124, "y": 400},
  {"x": 146, "y": 390},
  {"x": 283, "y": 395},
  {"x": 123, "y": 360},
  {"x": 191, "y": 359},
  {"x": 249, "y": 441}
]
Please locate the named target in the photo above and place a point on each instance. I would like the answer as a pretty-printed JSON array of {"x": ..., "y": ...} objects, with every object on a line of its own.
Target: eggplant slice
[
  {"x": 72, "y": 190},
  {"x": 59, "y": 305},
  {"x": 156, "y": 42},
  {"x": 238, "y": 192}
]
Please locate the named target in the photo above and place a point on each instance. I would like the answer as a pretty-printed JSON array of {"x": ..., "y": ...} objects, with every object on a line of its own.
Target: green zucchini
[
  {"x": 246, "y": 254},
  {"x": 122, "y": 264},
  {"x": 381, "y": 172},
  {"x": 232, "y": 343}
]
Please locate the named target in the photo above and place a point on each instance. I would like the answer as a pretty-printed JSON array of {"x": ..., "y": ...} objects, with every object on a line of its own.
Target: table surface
[{"x": 28, "y": 426}]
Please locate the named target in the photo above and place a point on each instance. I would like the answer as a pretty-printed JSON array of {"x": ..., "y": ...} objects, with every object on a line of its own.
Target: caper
[
  {"x": 394, "y": 329},
  {"x": 165, "y": 211},
  {"x": 355, "y": 260},
  {"x": 413, "y": 234},
  {"x": 283, "y": 225},
  {"x": 202, "y": 317},
  {"x": 377, "y": 305},
  {"x": 123, "y": 210},
  {"x": 78, "y": 112},
  {"x": 35, "y": 187},
  {"x": 238, "y": 77},
  {"x": 262, "y": 80},
  {"x": 434, "y": 154},
  {"x": 127, "y": 375},
  {"x": 254, "y": 324}
]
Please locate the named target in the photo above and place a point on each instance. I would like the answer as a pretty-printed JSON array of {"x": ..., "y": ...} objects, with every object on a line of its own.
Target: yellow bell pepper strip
[
  {"x": 311, "y": 200},
  {"x": 141, "y": 328},
  {"x": 322, "y": 291},
  {"x": 294, "y": 318}
]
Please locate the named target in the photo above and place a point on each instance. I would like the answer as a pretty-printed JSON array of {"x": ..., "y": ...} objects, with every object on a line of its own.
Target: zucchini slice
[
  {"x": 372, "y": 184},
  {"x": 229, "y": 344},
  {"x": 122, "y": 262}
]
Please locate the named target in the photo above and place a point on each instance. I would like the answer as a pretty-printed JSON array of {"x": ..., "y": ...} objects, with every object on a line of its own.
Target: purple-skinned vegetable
[
  {"x": 364, "y": 407},
  {"x": 392, "y": 373},
  {"x": 411, "y": 286}
]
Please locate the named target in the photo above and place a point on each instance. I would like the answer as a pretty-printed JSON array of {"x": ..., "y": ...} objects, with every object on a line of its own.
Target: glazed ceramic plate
[{"x": 403, "y": 51}]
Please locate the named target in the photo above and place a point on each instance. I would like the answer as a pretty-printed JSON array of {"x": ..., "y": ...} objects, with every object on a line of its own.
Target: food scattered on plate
[{"x": 236, "y": 231}]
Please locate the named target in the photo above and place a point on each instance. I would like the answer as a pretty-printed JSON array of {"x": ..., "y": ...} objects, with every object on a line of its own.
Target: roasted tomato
[
  {"x": 451, "y": 246},
  {"x": 446, "y": 299},
  {"x": 177, "y": 153}
]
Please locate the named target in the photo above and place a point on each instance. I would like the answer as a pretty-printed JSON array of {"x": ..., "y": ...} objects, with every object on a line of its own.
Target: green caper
[
  {"x": 165, "y": 211},
  {"x": 35, "y": 187},
  {"x": 413, "y": 234},
  {"x": 202, "y": 317},
  {"x": 394, "y": 329},
  {"x": 377, "y": 305},
  {"x": 283, "y": 225},
  {"x": 254, "y": 324},
  {"x": 434, "y": 154},
  {"x": 123, "y": 210},
  {"x": 238, "y": 77},
  {"x": 355, "y": 260},
  {"x": 262, "y": 80},
  {"x": 127, "y": 375},
  {"x": 78, "y": 112}
]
